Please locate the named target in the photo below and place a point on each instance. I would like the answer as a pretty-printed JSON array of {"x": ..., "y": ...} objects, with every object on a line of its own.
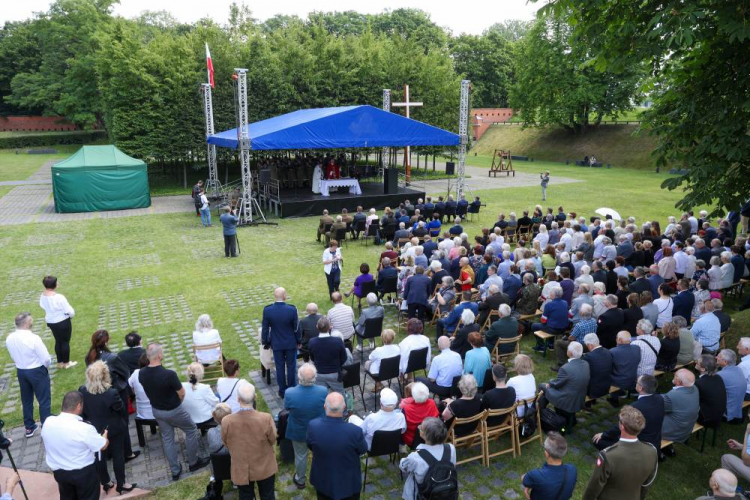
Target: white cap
[{"x": 388, "y": 397}]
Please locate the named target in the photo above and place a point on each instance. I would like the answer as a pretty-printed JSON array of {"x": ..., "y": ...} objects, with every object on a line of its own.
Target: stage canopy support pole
[
  {"x": 247, "y": 203},
  {"x": 463, "y": 129},
  {"x": 213, "y": 186},
  {"x": 385, "y": 154}
]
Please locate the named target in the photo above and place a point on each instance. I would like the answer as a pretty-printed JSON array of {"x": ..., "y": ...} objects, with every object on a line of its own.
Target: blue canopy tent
[{"x": 342, "y": 127}]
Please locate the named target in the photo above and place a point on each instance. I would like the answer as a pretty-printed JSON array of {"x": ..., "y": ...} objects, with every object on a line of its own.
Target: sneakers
[
  {"x": 30, "y": 432},
  {"x": 175, "y": 477},
  {"x": 70, "y": 364},
  {"x": 199, "y": 464},
  {"x": 299, "y": 484}
]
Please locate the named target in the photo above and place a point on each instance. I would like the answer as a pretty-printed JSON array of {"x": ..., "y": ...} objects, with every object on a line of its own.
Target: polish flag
[{"x": 209, "y": 67}]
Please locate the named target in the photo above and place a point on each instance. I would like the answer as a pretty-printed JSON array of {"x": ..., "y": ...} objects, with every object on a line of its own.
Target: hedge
[{"x": 38, "y": 140}]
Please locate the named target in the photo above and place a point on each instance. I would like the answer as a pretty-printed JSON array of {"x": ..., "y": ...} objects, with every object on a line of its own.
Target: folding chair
[
  {"x": 365, "y": 288},
  {"x": 468, "y": 440},
  {"x": 488, "y": 322},
  {"x": 502, "y": 358},
  {"x": 390, "y": 287},
  {"x": 352, "y": 380},
  {"x": 216, "y": 369},
  {"x": 533, "y": 406},
  {"x": 373, "y": 329},
  {"x": 389, "y": 369},
  {"x": 384, "y": 443},
  {"x": 417, "y": 361},
  {"x": 495, "y": 432},
  {"x": 372, "y": 232}
]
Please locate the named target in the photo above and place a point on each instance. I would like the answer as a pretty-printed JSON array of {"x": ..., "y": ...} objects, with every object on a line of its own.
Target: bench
[
  {"x": 612, "y": 390},
  {"x": 696, "y": 428},
  {"x": 542, "y": 340},
  {"x": 530, "y": 316}
]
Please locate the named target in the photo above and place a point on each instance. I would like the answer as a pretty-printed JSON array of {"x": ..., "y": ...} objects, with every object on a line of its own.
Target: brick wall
[
  {"x": 34, "y": 124},
  {"x": 488, "y": 117}
]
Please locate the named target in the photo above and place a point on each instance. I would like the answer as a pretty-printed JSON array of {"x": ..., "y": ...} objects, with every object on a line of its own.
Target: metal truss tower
[
  {"x": 463, "y": 133},
  {"x": 386, "y": 151},
  {"x": 213, "y": 186},
  {"x": 248, "y": 202}
]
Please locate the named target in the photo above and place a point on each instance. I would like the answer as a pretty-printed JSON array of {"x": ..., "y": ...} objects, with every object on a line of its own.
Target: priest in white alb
[{"x": 317, "y": 176}]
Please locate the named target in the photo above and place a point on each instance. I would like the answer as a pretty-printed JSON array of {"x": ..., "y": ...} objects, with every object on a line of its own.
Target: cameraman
[
  {"x": 545, "y": 180},
  {"x": 229, "y": 225}
]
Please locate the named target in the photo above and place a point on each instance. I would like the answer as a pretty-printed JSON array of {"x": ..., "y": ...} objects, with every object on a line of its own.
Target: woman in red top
[
  {"x": 416, "y": 408},
  {"x": 466, "y": 278}
]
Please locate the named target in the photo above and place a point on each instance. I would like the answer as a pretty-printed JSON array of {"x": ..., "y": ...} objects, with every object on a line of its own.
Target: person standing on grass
[
  {"x": 57, "y": 315},
  {"x": 205, "y": 209},
  {"x": 229, "y": 227},
  {"x": 197, "y": 197},
  {"x": 32, "y": 360},
  {"x": 545, "y": 180},
  {"x": 332, "y": 262}
]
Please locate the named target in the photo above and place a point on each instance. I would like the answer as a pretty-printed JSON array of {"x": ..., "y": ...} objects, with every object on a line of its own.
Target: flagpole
[{"x": 213, "y": 186}]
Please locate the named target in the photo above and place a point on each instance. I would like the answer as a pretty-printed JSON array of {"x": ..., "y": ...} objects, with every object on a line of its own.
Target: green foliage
[
  {"x": 19, "y": 50},
  {"x": 697, "y": 51},
  {"x": 487, "y": 61},
  {"x": 38, "y": 140},
  {"x": 556, "y": 86},
  {"x": 511, "y": 30}
]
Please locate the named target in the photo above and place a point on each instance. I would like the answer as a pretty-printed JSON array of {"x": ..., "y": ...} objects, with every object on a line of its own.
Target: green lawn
[
  {"x": 93, "y": 258},
  {"x": 18, "y": 167}
]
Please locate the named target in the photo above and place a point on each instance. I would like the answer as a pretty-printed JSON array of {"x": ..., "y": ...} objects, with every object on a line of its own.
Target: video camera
[{"x": 4, "y": 441}]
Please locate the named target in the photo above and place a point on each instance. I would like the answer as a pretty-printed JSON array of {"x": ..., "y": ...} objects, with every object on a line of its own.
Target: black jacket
[
  {"x": 713, "y": 399},
  {"x": 491, "y": 304},
  {"x": 600, "y": 370},
  {"x": 131, "y": 356},
  {"x": 104, "y": 411},
  {"x": 640, "y": 285},
  {"x": 608, "y": 326},
  {"x": 652, "y": 408}
]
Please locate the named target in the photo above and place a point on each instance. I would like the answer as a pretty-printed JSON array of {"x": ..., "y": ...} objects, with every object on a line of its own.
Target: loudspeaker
[
  {"x": 450, "y": 168},
  {"x": 265, "y": 176},
  {"x": 390, "y": 181}
]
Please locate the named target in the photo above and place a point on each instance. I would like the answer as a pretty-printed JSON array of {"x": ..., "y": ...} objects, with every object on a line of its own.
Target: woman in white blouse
[
  {"x": 542, "y": 237},
  {"x": 523, "y": 383},
  {"x": 226, "y": 387},
  {"x": 205, "y": 334},
  {"x": 199, "y": 399},
  {"x": 57, "y": 315},
  {"x": 664, "y": 304},
  {"x": 388, "y": 350}
]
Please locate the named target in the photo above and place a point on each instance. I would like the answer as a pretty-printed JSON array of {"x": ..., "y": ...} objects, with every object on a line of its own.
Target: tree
[
  {"x": 698, "y": 52},
  {"x": 19, "y": 53},
  {"x": 511, "y": 30},
  {"x": 555, "y": 86},
  {"x": 63, "y": 83},
  {"x": 486, "y": 60}
]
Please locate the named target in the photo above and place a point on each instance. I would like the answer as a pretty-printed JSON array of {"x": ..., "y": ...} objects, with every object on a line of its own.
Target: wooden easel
[{"x": 502, "y": 163}]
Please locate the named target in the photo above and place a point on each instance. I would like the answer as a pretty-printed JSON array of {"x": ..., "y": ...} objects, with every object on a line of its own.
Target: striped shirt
[
  {"x": 648, "y": 356},
  {"x": 341, "y": 318}
]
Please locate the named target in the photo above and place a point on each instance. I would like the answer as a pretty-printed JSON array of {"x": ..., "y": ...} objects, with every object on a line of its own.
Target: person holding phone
[
  {"x": 332, "y": 262},
  {"x": 545, "y": 180}
]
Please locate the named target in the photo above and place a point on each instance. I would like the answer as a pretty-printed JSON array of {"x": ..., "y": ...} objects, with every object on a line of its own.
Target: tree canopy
[{"x": 697, "y": 55}]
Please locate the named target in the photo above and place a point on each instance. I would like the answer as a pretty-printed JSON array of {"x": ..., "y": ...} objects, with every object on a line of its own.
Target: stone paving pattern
[
  {"x": 136, "y": 282},
  {"x": 133, "y": 314}
]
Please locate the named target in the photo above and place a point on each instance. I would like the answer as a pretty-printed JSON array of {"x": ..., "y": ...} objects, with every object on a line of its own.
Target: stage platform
[{"x": 303, "y": 202}]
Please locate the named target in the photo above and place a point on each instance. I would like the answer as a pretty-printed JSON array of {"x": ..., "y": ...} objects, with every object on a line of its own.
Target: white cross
[{"x": 407, "y": 104}]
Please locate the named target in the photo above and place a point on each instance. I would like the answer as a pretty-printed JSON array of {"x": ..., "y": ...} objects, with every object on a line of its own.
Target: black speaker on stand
[
  {"x": 390, "y": 181},
  {"x": 450, "y": 168}
]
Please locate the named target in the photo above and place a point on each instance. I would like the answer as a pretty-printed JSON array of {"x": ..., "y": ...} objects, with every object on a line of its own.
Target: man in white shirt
[
  {"x": 681, "y": 260},
  {"x": 32, "y": 360},
  {"x": 341, "y": 318},
  {"x": 70, "y": 446},
  {"x": 445, "y": 366},
  {"x": 743, "y": 348},
  {"x": 492, "y": 279},
  {"x": 388, "y": 418}
]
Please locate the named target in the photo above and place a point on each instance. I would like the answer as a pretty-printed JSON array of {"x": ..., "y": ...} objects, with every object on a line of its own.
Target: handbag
[
  {"x": 528, "y": 422},
  {"x": 551, "y": 421}
]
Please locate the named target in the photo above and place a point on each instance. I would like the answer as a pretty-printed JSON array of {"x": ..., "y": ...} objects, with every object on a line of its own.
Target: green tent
[{"x": 98, "y": 178}]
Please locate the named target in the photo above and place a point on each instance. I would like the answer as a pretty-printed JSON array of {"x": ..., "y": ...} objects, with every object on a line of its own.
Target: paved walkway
[{"x": 32, "y": 201}]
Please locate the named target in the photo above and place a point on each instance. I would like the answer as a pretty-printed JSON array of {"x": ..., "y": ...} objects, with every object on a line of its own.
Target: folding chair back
[
  {"x": 468, "y": 440},
  {"x": 215, "y": 370},
  {"x": 497, "y": 357},
  {"x": 533, "y": 406},
  {"x": 417, "y": 361},
  {"x": 506, "y": 426}
]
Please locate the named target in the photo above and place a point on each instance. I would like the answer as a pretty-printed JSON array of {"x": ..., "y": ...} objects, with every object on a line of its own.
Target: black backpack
[
  {"x": 528, "y": 421},
  {"x": 441, "y": 481}
]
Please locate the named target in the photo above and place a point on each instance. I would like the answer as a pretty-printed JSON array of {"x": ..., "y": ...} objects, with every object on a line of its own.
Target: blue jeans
[
  {"x": 34, "y": 382},
  {"x": 206, "y": 216},
  {"x": 285, "y": 358}
]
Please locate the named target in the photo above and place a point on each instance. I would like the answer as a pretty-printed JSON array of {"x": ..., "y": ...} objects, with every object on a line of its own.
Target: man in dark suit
[
  {"x": 711, "y": 391},
  {"x": 440, "y": 208},
  {"x": 491, "y": 303},
  {"x": 610, "y": 322},
  {"x": 640, "y": 284},
  {"x": 387, "y": 271},
  {"x": 280, "y": 332},
  {"x": 336, "y": 447},
  {"x": 429, "y": 246},
  {"x": 599, "y": 274},
  {"x": 417, "y": 293},
  {"x": 651, "y": 405},
  {"x": 525, "y": 220},
  {"x": 308, "y": 328},
  {"x": 684, "y": 301},
  {"x": 625, "y": 360},
  {"x": 401, "y": 233},
  {"x": 133, "y": 353},
  {"x": 654, "y": 279},
  {"x": 600, "y": 366},
  {"x": 512, "y": 285},
  {"x": 702, "y": 252},
  {"x": 568, "y": 391}
]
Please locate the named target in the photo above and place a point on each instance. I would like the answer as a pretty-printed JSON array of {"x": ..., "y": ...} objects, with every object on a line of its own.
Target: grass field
[
  {"x": 95, "y": 259},
  {"x": 618, "y": 145},
  {"x": 17, "y": 167}
]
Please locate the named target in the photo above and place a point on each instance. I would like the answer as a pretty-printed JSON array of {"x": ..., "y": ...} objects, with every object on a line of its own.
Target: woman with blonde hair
[
  {"x": 523, "y": 383},
  {"x": 199, "y": 400},
  {"x": 104, "y": 409},
  {"x": 206, "y": 334},
  {"x": 388, "y": 350}
]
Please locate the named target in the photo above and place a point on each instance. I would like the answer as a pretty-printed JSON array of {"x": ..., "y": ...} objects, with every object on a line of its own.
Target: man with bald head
[
  {"x": 336, "y": 447},
  {"x": 723, "y": 484},
  {"x": 681, "y": 408},
  {"x": 280, "y": 332}
]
